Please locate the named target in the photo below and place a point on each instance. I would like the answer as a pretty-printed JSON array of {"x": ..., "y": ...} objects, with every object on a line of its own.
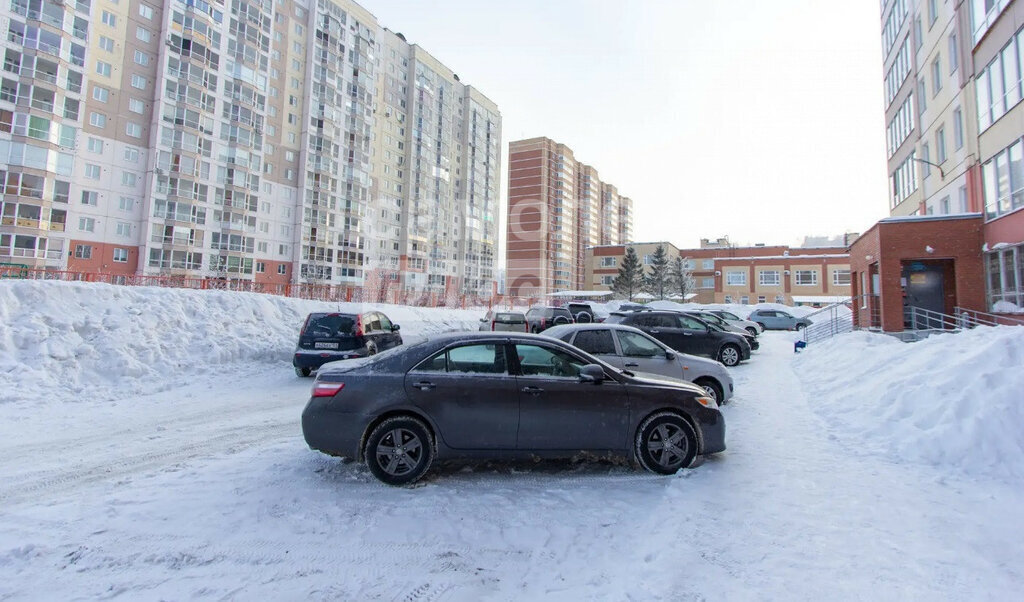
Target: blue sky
[{"x": 757, "y": 120}]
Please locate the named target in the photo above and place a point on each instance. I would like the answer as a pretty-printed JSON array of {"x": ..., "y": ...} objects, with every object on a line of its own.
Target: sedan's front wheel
[
  {"x": 399, "y": 450},
  {"x": 665, "y": 442},
  {"x": 729, "y": 355},
  {"x": 714, "y": 391}
]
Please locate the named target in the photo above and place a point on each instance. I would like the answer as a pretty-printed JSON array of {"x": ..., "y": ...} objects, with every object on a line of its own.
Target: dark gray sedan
[{"x": 502, "y": 395}]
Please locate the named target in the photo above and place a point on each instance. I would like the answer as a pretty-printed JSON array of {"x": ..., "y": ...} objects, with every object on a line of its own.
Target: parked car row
[{"x": 505, "y": 392}]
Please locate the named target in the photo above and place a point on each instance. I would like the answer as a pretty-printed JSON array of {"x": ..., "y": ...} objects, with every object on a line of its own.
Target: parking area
[{"x": 221, "y": 499}]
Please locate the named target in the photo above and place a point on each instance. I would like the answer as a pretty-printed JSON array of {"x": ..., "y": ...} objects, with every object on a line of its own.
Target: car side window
[
  {"x": 535, "y": 360},
  {"x": 667, "y": 321},
  {"x": 385, "y": 323},
  {"x": 647, "y": 321},
  {"x": 691, "y": 323},
  {"x": 635, "y": 345},
  {"x": 375, "y": 322},
  {"x": 782, "y": 314},
  {"x": 595, "y": 341},
  {"x": 467, "y": 359}
]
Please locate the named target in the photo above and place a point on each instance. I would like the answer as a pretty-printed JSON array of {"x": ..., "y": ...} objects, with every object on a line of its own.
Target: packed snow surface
[
  {"x": 150, "y": 448},
  {"x": 955, "y": 401}
]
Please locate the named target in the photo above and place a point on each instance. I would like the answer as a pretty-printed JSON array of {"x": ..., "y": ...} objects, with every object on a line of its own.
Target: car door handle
[
  {"x": 532, "y": 390},
  {"x": 655, "y": 331},
  {"x": 632, "y": 365},
  {"x": 687, "y": 334},
  {"x": 424, "y": 385}
]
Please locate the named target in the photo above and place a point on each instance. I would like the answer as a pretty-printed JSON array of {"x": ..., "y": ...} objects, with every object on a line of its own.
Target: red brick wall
[{"x": 102, "y": 259}]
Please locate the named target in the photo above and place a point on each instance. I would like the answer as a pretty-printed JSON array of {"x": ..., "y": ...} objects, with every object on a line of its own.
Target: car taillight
[
  {"x": 359, "y": 325},
  {"x": 327, "y": 389},
  {"x": 526, "y": 327},
  {"x": 492, "y": 325},
  {"x": 543, "y": 322}
]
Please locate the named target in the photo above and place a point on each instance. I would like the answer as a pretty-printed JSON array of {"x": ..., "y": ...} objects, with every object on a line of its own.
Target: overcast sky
[{"x": 757, "y": 120}]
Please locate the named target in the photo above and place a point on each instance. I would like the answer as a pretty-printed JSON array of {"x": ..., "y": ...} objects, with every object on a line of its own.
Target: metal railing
[
  {"x": 970, "y": 318},
  {"x": 856, "y": 313}
]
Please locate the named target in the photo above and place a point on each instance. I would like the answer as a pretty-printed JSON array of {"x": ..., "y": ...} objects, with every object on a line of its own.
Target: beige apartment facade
[
  {"x": 558, "y": 207},
  {"x": 273, "y": 142}
]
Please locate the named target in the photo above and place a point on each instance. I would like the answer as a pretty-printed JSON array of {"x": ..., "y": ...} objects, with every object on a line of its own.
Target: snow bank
[
  {"x": 71, "y": 341},
  {"x": 951, "y": 401}
]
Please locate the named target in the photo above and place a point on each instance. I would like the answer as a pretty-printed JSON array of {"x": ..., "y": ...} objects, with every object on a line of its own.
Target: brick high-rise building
[
  {"x": 278, "y": 142},
  {"x": 558, "y": 207}
]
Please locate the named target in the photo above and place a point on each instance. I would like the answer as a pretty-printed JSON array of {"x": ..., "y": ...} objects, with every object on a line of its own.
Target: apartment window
[
  {"x": 109, "y": 19},
  {"x": 86, "y": 224},
  {"x": 958, "y": 129},
  {"x": 806, "y": 277},
  {"x": 736, "y": 278},
  {"x": 92, "y": 171},
  {"x": 139, "y": 82},
  {"x": 936, "y": 76},
  {"x": 129, "y": 179},
  {"x": 282, "y": 269},
  {"x": 262, "y": 247},
  {"x": 918, "y": 35},
  {"x": 120, "y": 255},
  {"x": 1003, "y": 181},
  {"x": 141, "y": 58},
  {"x": 707, "y": 282},
  {"x": 83, "y": 251},
  {"x": 963, "y": 199},
  {"x": 607, "y": 280},
  {"x": 143, "y": 34},
  {"x": 136, "y": 106},
  {"x": 260, "y": 267},
  {"x": 769, "y": 278},
  {"x": 760, "y": 298},
  {"x": 145, "y": 11},
  {"x": 106, "y": 44},
  {"x": 123, "y": 229},
  {"x": 922, "y": 104},
  {"x": 95, "y": 145},
  {"x": 707, "y": 264},
  {"x": 126, "y": 203},
  {"x": 100, "y": 93},
  {"x": 927, "y": 156},
  {"x": 608, "y": 262},
  {"x": 780, "y": 299},
  {"x": 944, "y": 205},
  {"x": 744, "y": 300},
  {"x": 131, "y": 154},
  {"x": 90, "y": 197},
  {"x": 133, "y": 129},
  {"x": 728, "y": 298},
  {"x": 103, "y": 68},
  {"x": 933, "y": 13},
  {"x": 841, "y": 278},
  {"x": 954, "y": 54}
]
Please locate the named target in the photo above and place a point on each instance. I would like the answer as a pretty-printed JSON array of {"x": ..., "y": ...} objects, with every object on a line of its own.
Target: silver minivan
[{"x": 632, "y": 349}]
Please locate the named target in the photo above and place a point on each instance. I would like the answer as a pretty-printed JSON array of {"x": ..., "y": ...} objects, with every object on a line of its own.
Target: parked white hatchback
[{"x": 631, "y": 349}]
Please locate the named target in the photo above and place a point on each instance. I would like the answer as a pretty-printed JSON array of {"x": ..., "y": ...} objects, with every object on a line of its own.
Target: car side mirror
[
  {"x": 395, "y": 328},
  {"x": 669, "y": 355},
  {"x": 483, "y": 319},
  {"x": 592, "y": 373}
]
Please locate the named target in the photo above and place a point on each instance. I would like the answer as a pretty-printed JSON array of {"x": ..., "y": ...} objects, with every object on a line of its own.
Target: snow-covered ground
[{"x": 862, "y": 468}]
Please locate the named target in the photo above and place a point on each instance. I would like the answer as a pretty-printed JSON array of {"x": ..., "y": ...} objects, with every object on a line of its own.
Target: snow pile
[
  {"x": 79, "y": 341},
  {"x": 951, "y": 401}
]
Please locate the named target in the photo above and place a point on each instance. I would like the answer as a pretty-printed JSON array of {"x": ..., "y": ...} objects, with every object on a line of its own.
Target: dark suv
[
  {"x": 688, "y": 334},
  {"x": 583, "y": 313},
  {"x": 542, "y": 318},
  {"x": 328, "y": 337}
]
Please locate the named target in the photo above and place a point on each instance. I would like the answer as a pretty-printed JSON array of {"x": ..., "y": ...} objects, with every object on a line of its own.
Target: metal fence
[{"x": 319, "y": 292}]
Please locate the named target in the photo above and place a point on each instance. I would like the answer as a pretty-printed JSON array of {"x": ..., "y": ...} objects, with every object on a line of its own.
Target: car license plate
[{"x": 325, "y": 345}]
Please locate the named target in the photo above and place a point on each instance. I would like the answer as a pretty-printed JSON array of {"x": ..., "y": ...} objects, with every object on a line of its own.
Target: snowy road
[{"x": 208, "y": 492}]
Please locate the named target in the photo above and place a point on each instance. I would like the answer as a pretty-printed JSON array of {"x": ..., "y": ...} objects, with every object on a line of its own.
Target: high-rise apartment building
[
  {"x": 558, "y": 207},
  {"x": 279, "y": 142},
  {"x": 954, "y": 81}
]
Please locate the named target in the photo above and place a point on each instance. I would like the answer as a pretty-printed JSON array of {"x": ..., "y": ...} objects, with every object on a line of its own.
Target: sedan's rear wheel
[
  {"x": 714, "y": 391},
  {"x": 399, "y": 450},
  {"x": 799, "y": 327},
  {"x": 729, "y": 355},
  {"x": 665, "y": 443},
  {"x": 303, "y": 371},
  {"x": 752, "y": 330}
]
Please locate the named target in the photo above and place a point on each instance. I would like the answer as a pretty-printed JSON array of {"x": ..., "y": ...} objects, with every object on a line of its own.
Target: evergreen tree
[
  {"x": 681, "y": 279},
  {"x": 658, "y": 282},
  {"x": 631, "y": 276}
]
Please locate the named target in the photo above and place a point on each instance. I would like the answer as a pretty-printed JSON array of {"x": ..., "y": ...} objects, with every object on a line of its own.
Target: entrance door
[{"x": 924, "y": 290}]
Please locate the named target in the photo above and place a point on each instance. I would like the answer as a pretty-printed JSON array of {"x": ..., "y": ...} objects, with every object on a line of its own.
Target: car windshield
[
  {"x": 728, "y": 316},
  {"x": 331, "y": 325}
]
